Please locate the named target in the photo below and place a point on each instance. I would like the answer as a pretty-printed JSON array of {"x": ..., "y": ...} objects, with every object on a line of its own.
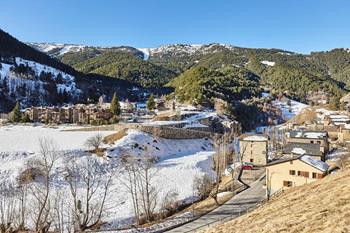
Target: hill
[
  {"x": 32, "y": 77},
  {"x": 322, "y": 206},
  {"x": 126, "y": 66},
  {"x": 279, "y": 70}
]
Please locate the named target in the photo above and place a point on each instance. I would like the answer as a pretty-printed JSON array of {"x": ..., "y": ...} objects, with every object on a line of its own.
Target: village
[{"x": 301, "y": 145}]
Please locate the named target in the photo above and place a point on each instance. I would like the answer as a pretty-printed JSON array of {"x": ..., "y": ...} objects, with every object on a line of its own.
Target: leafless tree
[
  {"x": 203, "y": 185},
  {"x": 141, "y": 173},
  {"x": 12, "y": 209},
  {"x": 148, "y": 193},
  {"x": 344, "y": 161},
  {"x": 40, "y": 188},
  {"x": 94, "y": 142},
  {"x": 129, "y": 164},
  {"x": 89, "y": 186},
  {"x": 223, "y": 155},
  {"x": 169, "y": 203}
]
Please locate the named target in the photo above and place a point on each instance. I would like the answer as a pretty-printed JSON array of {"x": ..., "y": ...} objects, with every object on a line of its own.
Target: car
[{"x": 247, "y": 166}]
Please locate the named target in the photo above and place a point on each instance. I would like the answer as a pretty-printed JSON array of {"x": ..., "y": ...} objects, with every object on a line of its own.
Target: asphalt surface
[{"x": 233, "y": 208}]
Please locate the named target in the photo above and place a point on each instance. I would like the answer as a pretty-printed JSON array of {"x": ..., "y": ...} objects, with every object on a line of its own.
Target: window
[
  {"x": 317, "y": 175},
  {"x": 287, "y": 183},
  {"x": 311, "y": 141},
  {"x": 291, "y": 162},
  {"x": 251, "y": 160},
  {"x": 304, "y": 174},
  {"x": 292, "y": 172}
]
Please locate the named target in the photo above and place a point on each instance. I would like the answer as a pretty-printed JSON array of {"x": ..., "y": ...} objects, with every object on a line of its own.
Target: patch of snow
[
  {"x": 146, "y": 52},
  {"x": 268, "y": 63},
  {"x": 256, "y": 138},
  {"x": 322, "y": 166},
  {"x": 298, "y": 151},
  {"x": 289, "y": 112},
  {"x": 265, "y": 94}
]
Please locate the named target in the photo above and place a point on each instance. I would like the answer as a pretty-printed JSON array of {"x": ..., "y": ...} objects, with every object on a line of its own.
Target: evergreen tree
[
  {"x": 151, "y": 104},
  {"x": 16, "y": 113},
  {"x": 25, "y": 118},
  {"x": 115, "y": 106}
]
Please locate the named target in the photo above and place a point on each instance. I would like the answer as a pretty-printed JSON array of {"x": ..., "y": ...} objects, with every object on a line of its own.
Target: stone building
[
  {"x": 296, "y": 149},
  {"x": 309, "y": 137},
  {"x": 72, "y": 114},
  {"x": 253, "y": 149}
]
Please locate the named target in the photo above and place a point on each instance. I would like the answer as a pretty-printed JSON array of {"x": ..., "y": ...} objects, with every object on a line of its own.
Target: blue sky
[{"x": 297, "y": 25}]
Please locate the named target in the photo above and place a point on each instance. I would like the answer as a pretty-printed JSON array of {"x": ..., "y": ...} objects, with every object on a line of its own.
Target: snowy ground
[
  {"x": 180, "y": 161},
  {"x": 14, "y": 138},
  {"x": 289, "y": 112}
]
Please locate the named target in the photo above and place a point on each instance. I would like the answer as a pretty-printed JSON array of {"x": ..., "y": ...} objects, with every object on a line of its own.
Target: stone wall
[{"x": 159, "y": 131}]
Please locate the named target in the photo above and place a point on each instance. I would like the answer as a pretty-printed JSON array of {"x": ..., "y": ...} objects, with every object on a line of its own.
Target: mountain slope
[
  {"x": 322, "y": 206},
  {"x": 127, "y": 66},
  {"x": 32, "y": 77},
  {"x": 279, "y": 70}
]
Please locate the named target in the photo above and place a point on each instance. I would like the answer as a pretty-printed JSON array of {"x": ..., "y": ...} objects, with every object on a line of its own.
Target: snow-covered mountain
[
  {"x": 30, "y": 83},
  {"x": 58, "y": 49}
]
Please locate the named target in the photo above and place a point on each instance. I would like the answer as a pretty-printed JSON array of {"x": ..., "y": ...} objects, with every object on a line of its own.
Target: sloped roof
[
  {"x": 307, "y": 134},
  {"x": 308, "y": 148},
  {"x": 254, "y": 137},
  {"x": 320, "y": 165}
]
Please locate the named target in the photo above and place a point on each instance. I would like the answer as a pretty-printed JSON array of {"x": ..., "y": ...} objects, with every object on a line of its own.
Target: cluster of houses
[
  {"x": 71, "y": 114},
  {"x": 301, "y": 159}
]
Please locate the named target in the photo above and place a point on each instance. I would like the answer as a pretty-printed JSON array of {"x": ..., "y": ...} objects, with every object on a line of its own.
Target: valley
[{"x": 208, "y": 137}]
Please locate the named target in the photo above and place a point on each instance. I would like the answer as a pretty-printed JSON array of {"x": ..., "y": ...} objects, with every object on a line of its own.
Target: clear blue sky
[{"x": 297, "y": 25}]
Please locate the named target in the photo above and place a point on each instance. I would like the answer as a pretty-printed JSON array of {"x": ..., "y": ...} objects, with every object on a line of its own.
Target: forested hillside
[
  {"x": 31, "y": 77},
  {"x": 279, "y": 70},
  {"x": 127, "y": 66}
]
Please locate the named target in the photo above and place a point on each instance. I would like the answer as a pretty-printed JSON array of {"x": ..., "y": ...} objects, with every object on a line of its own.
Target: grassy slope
[{"x": 323, "y": 206}]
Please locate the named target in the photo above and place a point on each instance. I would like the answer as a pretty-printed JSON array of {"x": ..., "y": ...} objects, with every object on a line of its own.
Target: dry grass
[
  {"x": 166, "y": 116},
  {"x": 308, "y": 115},
  {"x": 322, "y": 206},
  {"x": 207, "y": 205},
  {"x": 110, "y": 139}
]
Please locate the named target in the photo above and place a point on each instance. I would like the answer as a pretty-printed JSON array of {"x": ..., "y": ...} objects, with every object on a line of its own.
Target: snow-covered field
[
  {"x": 289, "y": 112},
  {"x": 180, "y": 161},
  {"x": 14, "y": 138}
]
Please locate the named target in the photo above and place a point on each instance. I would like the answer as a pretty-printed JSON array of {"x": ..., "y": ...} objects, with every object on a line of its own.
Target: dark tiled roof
[
  {"x": 307, "y": 134},
  {"x": 309, "y": 148}
]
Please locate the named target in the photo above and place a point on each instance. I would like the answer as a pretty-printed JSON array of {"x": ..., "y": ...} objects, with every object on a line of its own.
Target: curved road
[{"x": 233, "y": 208}]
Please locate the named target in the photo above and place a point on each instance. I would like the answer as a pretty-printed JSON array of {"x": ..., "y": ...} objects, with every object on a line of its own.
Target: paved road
[{"x": 234, "y": 207}]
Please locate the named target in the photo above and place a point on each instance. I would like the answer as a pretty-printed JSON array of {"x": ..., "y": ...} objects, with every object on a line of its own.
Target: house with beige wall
[
  {"x": 286, "y": 173},
  {"x": 253, "y": 149}
]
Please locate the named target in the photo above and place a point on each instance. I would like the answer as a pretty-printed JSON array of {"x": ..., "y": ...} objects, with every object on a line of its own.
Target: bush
[{"x": 203, "y": 185}]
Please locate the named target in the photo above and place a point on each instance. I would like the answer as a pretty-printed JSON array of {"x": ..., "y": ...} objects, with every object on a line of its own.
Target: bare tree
[
  {"x": 129, "y": 163},
  {"x": 140, "y": 176},
  {"x": 40, "y": 188},
  {"x": 344, "y": 161},
  {"x": 148, "y": 193},
  {"x": 223, "y": 155},
  {"x": 94, "y": 142},
  {"x": 203, "y": 185},
  {"x": 169, "y": 203},
  {"x": 12, "y": 209},
  {"x": 89, "y": 184}
]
